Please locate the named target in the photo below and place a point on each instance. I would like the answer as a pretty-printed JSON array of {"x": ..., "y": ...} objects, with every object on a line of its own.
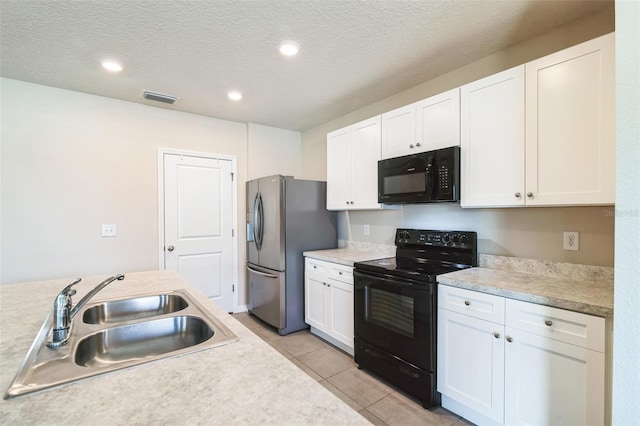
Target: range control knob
[
  {"x": 446, "y": 239},
  {"x": 464, "y": 239},
  {"x": 455, "y": 238}
]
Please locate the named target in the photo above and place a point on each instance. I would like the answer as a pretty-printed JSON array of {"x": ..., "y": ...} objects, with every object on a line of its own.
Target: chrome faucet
[{"x": 63, "y": 312}]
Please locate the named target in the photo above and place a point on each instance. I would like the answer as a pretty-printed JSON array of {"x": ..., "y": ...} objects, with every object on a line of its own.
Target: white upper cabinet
[
  {"x": 492, "y": 140},
  {"x": 570, "y": 122},
  {"x": 542, "y": 133},
  {"x": 352, "y": 166},
  {"x": 438, "y": 121},
  {"x": 339, "y": 169},
  {"x": 432, "y": 123}
]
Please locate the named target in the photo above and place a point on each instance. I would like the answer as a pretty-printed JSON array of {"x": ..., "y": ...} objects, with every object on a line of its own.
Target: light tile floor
[{"x": 379, "y": 402}]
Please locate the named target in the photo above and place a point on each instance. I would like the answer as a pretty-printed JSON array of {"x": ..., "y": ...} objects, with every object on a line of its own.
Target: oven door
[{"x": 397, "y": 315}]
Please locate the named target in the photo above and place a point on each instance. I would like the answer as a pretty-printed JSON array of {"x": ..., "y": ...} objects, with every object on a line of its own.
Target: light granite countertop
[
  {"x": 247, "y": 382},
  {"x": 349, "y": 255},
  {"x": 553, "y": 284}
]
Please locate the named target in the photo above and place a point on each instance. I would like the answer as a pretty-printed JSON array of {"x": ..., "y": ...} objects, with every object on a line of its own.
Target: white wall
[
  {"x": 273, "y": 151},
  {"x": 523, "y": 232},
  {"x": 72, "y": 161},
  {"x": 626, "y": 333}
]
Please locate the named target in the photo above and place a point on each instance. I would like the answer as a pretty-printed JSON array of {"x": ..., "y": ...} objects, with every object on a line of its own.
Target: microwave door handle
[{"x": 430, "y": 182}]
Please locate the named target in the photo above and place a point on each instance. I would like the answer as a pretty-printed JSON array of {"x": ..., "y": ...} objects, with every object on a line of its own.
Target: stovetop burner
[{"x": 421, "y": 255}]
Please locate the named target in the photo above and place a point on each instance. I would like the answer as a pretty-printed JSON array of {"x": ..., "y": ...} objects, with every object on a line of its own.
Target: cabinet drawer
[
  {"x": 318, "y": 266},
  {"x": 341, "y": 273},
  {"x": 578, "y": 329},
  {"x": 330, "y": 270},
  {"x": 475, "y": 304}
]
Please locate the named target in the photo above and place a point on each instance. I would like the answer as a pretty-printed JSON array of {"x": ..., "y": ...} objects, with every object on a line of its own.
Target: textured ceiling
[{"x": 353, "y": 53}]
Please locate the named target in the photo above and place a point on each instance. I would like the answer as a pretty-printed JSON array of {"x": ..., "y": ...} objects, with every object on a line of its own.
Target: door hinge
[
  {"x": 233, "y": 232},
  {"x": 232, "y": 177},
  {"x": 233, "y": 288}
]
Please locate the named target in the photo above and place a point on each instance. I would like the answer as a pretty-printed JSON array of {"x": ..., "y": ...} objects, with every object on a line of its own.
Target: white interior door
[{"x": 198, "y": 223}]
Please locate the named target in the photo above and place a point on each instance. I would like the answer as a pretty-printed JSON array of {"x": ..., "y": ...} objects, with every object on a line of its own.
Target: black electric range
[
  {"x": 395, "y": 307},
  {"x": 421, "y": 255}
]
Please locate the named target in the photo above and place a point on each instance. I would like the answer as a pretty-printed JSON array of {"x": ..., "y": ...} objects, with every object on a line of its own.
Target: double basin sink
[{"x": 113, "y": 334}]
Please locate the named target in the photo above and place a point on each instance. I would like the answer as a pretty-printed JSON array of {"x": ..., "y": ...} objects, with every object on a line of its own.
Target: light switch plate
[
  {"x": 571, "y": 240},
  {"x": 366, "y": 230},
  {"x": 108, "y": 230}
]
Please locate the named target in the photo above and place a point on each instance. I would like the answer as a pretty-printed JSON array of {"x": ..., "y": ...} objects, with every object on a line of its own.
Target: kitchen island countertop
[{"x": 247, "y": 382}]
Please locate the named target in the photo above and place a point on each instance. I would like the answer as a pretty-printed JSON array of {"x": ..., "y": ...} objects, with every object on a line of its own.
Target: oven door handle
[{"x": 362, "y": 280}]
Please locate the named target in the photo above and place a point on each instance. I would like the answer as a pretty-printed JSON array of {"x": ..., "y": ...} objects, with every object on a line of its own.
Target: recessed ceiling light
[
  {"x": 112, "y": 66},
  {"x": 289, "y": 47},
  {"x": 234, "y": 96}
]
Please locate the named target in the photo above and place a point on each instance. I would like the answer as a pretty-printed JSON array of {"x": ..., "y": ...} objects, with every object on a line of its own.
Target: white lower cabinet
[
  {"x": 329, "y": 302},
  {"x": 536, "y": 366}
]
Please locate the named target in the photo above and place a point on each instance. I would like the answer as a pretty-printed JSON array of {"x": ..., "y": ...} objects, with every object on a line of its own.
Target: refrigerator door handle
[
  {"x": 261, "y": 206},
  {"x": 257, "y": 221},
  {"x": 264, "y": 274}
]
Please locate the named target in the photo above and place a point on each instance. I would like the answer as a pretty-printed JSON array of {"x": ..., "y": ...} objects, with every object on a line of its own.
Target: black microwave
[{"x": 426, "y": 177}]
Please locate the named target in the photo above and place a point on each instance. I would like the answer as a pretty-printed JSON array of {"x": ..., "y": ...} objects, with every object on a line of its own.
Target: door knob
[{"x": 170, "y": 248}]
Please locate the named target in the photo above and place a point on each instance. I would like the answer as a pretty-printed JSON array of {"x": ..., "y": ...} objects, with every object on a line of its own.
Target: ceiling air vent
[{"x": 159, "y": 97}]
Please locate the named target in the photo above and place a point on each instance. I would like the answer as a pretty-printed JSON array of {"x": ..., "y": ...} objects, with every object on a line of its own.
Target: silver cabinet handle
[
  {"x": 410, "y": 145},
  {"x": 418, "y": 144},
  {"x": 347, "y": 202},
  {"x": 509, "y": 339},
  {"x": 496, "y": 334},
  {"x": 466, "y": 302},
  {"x": 530, "y": 194},
  {"x": 548, "y": 323},
  {"x": 171, "y": 248},
  {"x": 518, "y": 195},
  {"x": 315, "y": 267}
]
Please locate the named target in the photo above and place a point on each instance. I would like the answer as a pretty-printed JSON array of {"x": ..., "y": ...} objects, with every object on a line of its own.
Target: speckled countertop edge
[
  {"x": 589, "y": 297},
  {"x": 352, "y": 253}
]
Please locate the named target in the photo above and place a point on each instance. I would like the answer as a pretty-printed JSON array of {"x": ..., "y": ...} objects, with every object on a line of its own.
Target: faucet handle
[
  {"x": 64, "y": 297},
  {"x": 68, "y": 291}
]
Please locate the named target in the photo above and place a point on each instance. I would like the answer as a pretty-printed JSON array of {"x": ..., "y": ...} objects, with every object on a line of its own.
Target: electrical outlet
[
  {"x": 366, "y": 230},
  {"x": 571, "y": 240},
  {"x": 108, "y": 230}
]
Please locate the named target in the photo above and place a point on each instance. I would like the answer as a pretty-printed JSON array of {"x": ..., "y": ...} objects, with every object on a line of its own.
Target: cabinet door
[
  {"x": 341, "y": 311},
  {"x": 570, "y": 141},
  {"x": 365, "y": 142},
  {"x": 339, "y": 169},
  {"x": 492, "y": 140},
  {"x": 399, "y": 131},
  {"x": 315, "y": 306},
  {"x": 471, "y": 363},
  {"x": 548, "y": 382},
  {"x": 438, "y": 121}
]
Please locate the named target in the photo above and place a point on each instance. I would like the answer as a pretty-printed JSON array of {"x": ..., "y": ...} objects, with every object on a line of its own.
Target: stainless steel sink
[
  {"x": 130, "y": 309},
  {"x": 120, "y": 333},
  {"x": 141, "y": 340}
]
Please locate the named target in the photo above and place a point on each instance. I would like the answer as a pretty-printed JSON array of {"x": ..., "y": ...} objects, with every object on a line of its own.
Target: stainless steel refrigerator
[{"x": 285, "y": 216}]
